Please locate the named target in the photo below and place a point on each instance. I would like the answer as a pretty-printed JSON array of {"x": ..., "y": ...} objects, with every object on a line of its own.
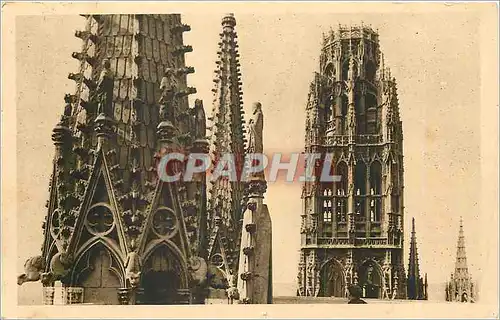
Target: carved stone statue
[
  {"x": 60, "y": 265},
  {"x": 200, "y": 127},
  {"x": 256, "y": 125},
  {"x": 337, "y": 51},
  {"x": 361, "y": 50},
  {"x": 68, "y": 107},
  {"x": 232, "y": 292},
  {"x": 104, "y": 90},
  {"x": 33, "y": 268},
  {"x": 133, "y": 267},
  {"x": 369, "y": 275},
  {"x": 168, "y": 87},
  {"x": 351, "y": 72}
]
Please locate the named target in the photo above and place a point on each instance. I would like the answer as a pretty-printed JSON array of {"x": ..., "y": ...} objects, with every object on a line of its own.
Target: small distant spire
[
  {"x": 461, "y": 269},
  {"x": 460, "y": 278},
  {"x": 415, "y": 286}
]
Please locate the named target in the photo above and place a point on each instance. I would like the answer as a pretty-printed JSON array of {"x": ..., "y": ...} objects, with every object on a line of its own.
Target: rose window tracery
[
  {"x": 100, "y": 219},
  {"x": 164, "y": 222},
  {"x": 217, "y": 260}
]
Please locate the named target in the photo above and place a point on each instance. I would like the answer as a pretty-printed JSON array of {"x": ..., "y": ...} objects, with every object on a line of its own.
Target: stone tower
[
  {"x": 460, "y": 287},
  {"x": 226, "y": 203},
  {"x": 416, "y": 286},
  {"x": 352, "y": 230},
  {"x": 115, "y": 232}
]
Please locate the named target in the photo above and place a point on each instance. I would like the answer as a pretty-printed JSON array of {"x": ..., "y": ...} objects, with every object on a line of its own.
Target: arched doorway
[
  {"x": 370, "y": 279},
  {"x": 99, "y": 273},
  {"x": 163, "y": 277},
  {"x": 332, "y": 280},
  {"x": 465, "y": 297}
]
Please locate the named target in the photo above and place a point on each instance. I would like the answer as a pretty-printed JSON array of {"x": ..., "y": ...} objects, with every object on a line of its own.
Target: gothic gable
[{"x": 99, "y": 216}]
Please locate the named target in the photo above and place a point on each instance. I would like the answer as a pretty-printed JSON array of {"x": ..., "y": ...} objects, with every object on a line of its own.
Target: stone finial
[{"x": 229, "y": 21}]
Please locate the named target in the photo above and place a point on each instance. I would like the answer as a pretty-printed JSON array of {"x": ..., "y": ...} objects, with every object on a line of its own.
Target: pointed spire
[
  {"x": 227, "y": 110},
  {"x": 461, "y": 287},
  {"x": 415, "y": 287},
  {"x": 413, "y": 266},
  {"x": 227, "y": 134},
  {"x": 461, "y": 269}
]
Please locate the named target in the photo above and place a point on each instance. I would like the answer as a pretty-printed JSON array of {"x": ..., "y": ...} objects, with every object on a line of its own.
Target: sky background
[{"x": 434, "y": 57}]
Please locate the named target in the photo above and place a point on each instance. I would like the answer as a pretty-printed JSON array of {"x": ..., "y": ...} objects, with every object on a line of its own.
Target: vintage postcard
[{"x": 186, "y": 159}]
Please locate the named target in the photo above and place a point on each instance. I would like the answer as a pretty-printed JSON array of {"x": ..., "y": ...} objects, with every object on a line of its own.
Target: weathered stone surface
[
  {"x": 226, "y": 204},
  {"x": 263, "y": 257},
  {"x": 352, "y": 230},
  {"x": 106, "y": 202}
]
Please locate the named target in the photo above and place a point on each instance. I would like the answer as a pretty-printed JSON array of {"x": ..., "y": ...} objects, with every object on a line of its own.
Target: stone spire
[
  {"x": 228, "y": 122},
  {"x": 416, "y": 288},
  {"x": 227, "y": 143},
  {"x": 461, "y": 269},
  {"x": 461, "y": 287},
  {"x": 413, "y": 267},
  {"x": 227, "y": 131}
]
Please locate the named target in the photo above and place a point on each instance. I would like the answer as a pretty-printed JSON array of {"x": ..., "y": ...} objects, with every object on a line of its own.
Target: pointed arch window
[
  {"x": 345, "y": 70},
  {"x": 330, "y": 73},
  {"x": 375, "y": 209},
  {"x": 370, "y": 71},
  {"x": 327, "y": 192},
  {"x": 341, "y": 210},
  {"x": 360, "y": 209},
  {"x": 375, "y": 178},
  {"x": 344, "y": 106},
  {"x": 341, "y": 192},
  {"x": 360, "y": 179},
  {"x": 343, "y": 183},
  {"x": 372, "y": 121},
  {"x": 327, "y": 210},
  {"x": 394, "y": 175}
]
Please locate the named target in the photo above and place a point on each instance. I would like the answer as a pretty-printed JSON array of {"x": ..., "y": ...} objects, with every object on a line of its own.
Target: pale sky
[{"x": 434, "y": 57}]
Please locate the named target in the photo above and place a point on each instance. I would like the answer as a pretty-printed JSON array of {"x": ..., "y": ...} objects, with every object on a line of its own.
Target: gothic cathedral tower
[
  {"x": 352, "y": 230},
  {"x": 114, "y": 232}
]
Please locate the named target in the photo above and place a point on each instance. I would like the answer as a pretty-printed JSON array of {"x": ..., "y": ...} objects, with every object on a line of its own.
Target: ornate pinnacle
[
  {"x": 104, "y": 126},
  {"x": 229, "y": 21}
]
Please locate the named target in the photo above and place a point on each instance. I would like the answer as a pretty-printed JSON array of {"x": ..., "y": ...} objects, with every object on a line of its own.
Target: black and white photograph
[{"x": 295, "y": 156}]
